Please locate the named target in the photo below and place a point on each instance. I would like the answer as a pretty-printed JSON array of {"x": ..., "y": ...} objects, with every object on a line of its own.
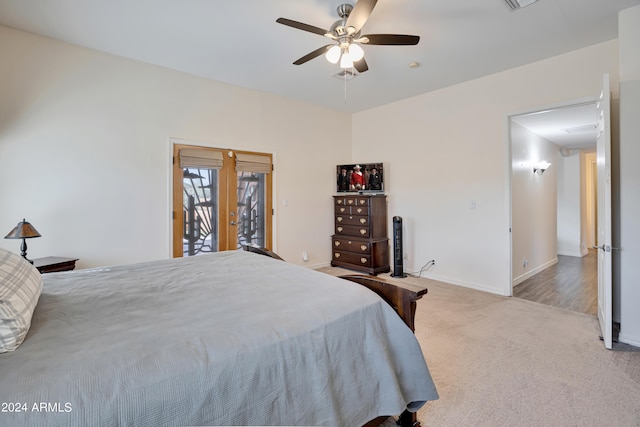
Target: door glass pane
[
  {"x": 200, "y": 201},
  {"x": 251, "y": 208}
]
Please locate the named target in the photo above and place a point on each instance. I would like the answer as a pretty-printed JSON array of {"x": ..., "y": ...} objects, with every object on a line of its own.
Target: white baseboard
[
  {"x": 470, "y": 285},
  {"x": 629, "y": 339},
  {"x": 575, "y": 254},
  {"x": 316, "y": 266},
  {"x": 533, "y": 272}
]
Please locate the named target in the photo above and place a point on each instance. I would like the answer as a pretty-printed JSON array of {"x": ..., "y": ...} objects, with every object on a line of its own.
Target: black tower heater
[{"x": 398, "y": 268}]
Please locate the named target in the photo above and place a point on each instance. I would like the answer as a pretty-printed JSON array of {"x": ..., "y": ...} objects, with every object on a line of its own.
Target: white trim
[
  {"x": 629, "y": 339},
  {"x": 508, "y": 291},
  {"x": 574, "y": 254},
  {"x": 319, "y": 265},
  {"x": 535, "y": 271},
  {"x": 470, "y": 285}
]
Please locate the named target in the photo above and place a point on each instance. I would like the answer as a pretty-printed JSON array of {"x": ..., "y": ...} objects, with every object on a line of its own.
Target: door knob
[{"x": 606, "y": 248}]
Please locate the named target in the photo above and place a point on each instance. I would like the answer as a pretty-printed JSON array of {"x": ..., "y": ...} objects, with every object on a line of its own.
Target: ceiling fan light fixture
[
  {"x": 346, "y": 61},
  {"x": 333, "y": 54},
  {"x": 356, "y": 52}
]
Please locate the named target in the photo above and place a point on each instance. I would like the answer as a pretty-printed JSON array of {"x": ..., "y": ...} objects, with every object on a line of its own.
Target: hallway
[{"x": 572, "y": 284}]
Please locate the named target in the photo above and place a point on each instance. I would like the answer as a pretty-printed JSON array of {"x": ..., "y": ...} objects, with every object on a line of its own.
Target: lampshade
[
  {"x": 356, "y": 52},
  {"x": 345, "y": 60},
  {"x": 24, "y": 230},
  {"x": 333, "y": 54}
]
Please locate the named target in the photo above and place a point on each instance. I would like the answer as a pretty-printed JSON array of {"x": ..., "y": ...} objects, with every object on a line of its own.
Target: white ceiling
[
  {"x": 239, "y": 42},
  {"x": 570, "y": 127}
]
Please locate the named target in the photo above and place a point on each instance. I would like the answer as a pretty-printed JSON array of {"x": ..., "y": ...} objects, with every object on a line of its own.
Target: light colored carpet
[{"x": 503, "y": 361}]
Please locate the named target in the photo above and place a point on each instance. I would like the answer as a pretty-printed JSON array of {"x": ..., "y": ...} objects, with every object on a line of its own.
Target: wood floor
[{"x": 572, "y": 283}]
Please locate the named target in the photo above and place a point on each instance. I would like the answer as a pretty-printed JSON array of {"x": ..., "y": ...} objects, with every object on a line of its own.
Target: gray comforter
[{"x": 232, "y": 338}]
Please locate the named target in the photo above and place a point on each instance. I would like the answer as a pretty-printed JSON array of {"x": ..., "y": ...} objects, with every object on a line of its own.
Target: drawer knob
[
  {"x": 363, "y": 260},
  {"x": 339, "y": 202},
  {"x": 359, "y": 210},
  {"x": 342, "y": 210},
  {"x": 362, "y": 202},
  {"x": 363, "y": 220},
  {"x": 336, "y": 243},
  {"x": 337, "y": 255},
  {"x": 339, "y": 219},
  {"x": 363, "y": 231},
  {"x": 363, "y": 247},
  {"x": 340, "y": 229},
  {"x": 349, "y": 202}
]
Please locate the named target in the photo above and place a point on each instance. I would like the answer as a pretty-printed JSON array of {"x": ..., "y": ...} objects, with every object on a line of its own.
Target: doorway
[
  {"x": 222, "y": 199},
  {"x": 553, "y": 220}
]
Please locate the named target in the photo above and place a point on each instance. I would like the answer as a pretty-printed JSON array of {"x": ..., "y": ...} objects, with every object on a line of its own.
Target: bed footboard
[{"x": 401, "y": 298}]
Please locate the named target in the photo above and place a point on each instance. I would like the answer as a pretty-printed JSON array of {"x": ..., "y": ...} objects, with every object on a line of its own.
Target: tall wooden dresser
[{"x": 360, "y": 241}]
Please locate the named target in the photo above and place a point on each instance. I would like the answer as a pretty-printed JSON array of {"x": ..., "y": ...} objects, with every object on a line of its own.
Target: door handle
[{"x": 606, "y": 248}]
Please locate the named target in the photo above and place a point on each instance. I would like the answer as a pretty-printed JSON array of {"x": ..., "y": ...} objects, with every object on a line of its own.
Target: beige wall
[
  {"x": 448, "y": 149},
  {"x": 84, "y": 151},
  {"x": 535, "y": 205}
]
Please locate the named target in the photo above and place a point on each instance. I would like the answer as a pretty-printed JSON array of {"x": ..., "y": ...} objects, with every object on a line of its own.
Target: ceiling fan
[{"x": 345, "y": 33}]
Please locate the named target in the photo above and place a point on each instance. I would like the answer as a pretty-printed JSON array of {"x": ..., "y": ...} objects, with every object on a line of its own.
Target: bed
[{"x": 231, "y": 338}]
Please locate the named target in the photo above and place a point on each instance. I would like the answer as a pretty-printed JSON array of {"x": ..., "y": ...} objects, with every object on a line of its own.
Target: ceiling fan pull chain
[{"x": 345, "y": 85}]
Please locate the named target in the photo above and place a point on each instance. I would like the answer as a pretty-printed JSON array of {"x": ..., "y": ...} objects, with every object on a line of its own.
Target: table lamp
[{"x": 23, "y": 230}]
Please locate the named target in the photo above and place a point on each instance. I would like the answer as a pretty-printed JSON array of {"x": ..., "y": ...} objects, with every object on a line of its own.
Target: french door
[{"x": 221, "y": 200}]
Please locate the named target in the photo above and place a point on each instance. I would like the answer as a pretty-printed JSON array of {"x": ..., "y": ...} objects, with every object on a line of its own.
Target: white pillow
[{"x": 20, "y": 289}]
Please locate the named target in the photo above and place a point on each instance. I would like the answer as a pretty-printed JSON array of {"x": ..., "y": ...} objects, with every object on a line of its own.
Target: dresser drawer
[
  {"x": 352, "y": 258},
  {"x": 356, "y": 201},
  {"x": 343, "y": 210},
  {"x": 353, "y": 230},
  {"x": 351, "y": 210},
  {"x": 357, "y": 220},
  {"x": 349, "y": 245}
]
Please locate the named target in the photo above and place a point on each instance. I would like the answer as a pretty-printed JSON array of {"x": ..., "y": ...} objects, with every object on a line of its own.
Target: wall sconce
[
  {"x": 541, "y": 167},
  {"x": 24, "y": 230}
]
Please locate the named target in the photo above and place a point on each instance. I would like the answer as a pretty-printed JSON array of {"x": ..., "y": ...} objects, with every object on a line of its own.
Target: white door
[{"x": 603, "y": 149}]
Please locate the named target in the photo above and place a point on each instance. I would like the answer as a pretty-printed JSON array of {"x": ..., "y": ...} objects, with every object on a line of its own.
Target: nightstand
[{"x": 54, "y": 263}]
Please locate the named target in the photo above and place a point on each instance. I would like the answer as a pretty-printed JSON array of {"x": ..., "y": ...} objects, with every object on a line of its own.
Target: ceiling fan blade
[
  {"x": 389, "y": 39},
  {"x": 314, "y": 54},
  {"x": 301, "y": 26},
  {"x": 360, "y": 14},
  {"x": 361, "y": 65}
]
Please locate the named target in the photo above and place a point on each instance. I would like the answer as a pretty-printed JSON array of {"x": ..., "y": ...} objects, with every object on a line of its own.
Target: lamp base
[{"x": 23, "y": 250}]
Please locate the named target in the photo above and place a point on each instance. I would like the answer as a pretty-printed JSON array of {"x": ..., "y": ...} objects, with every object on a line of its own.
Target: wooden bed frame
[{"x": 401, "y": 298}]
